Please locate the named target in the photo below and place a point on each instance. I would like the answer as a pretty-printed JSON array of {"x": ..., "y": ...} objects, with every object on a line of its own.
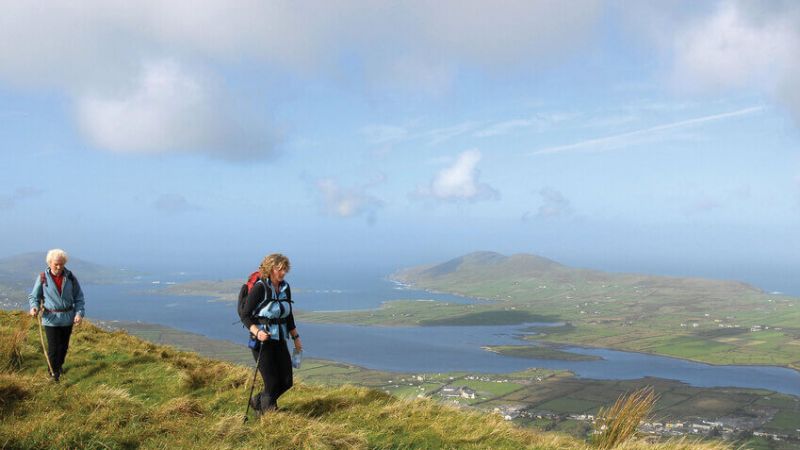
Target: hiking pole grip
[{"x": 253, "y": 384}]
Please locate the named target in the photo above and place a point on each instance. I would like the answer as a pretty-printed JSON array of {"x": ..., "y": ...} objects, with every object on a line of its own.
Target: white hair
[{"x": 56, "y": 253}]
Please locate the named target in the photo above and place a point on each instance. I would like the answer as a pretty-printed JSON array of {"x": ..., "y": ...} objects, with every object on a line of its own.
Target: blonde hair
[
  {"x": 272, "y": 261},
  {"x": 56, "y": 253}
]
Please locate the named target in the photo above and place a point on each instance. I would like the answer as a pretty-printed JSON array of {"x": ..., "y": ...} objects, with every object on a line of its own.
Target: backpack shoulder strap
[{"x": 267, "y": 296}]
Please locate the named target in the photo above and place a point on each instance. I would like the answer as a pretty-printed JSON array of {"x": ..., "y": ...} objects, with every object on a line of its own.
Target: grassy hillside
[{"x": 120, "y": 392}]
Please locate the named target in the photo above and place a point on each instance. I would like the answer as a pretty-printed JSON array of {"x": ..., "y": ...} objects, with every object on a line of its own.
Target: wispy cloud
[
  {"x": 384, "y": 134},
  {"x": 553, "y": 205},
  {"x": 9, "y": 201},
  {"x": 629, "y": 138},
  {"x": 503, "y": 128},
  {"x": 339, "y": 201},
  {"x": 393, "y": 134},
  {"x": 440, "y": 135},
  {"x": 174, "y": 204},
  {"x": 538, "y": 123},
  {"x": 701, "y": 205}
]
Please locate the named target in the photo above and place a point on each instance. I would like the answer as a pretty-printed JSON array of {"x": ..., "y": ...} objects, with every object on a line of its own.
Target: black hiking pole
[{"x": 253, "y": 384}]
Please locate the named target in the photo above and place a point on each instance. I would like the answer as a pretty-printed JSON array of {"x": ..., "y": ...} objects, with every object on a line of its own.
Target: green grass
[
  {"x": 508, "y": 317},
  {"x": 568, "y": 404},
  {"x": 784, "y": 420},
  {"x": 120, "y": 392},
  {"x": 539, "y": 352}
]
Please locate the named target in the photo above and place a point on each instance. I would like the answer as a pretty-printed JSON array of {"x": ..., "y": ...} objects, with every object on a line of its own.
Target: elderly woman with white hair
[{"x": 58, "y": 296}]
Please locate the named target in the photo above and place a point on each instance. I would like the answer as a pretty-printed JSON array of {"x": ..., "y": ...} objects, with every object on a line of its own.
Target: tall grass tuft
[
  {"x": 11, "y": 344},
  {"x": 619, "y": 423},
  {"x": 12, "y": 391}
]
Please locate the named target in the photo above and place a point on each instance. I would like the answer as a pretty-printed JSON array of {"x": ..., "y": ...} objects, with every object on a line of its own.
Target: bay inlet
[{"x": 413, "y": 349}]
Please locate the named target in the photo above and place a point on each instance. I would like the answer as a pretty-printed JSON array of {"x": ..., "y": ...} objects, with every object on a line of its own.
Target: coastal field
[{"x": 712, "y": 321}]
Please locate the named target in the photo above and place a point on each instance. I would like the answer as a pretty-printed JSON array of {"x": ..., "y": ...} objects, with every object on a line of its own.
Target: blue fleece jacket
[{"x": 69, "y": 301}]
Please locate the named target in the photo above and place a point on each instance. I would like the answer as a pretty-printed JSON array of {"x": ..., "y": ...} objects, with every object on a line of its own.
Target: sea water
[{"x": 410, "y": 349}]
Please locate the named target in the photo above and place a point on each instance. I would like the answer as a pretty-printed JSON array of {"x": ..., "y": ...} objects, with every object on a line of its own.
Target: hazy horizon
[{"x": 331, "y": 273}]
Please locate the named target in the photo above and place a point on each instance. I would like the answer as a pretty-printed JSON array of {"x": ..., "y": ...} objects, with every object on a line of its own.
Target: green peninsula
[{"x": 712, "y": 321}]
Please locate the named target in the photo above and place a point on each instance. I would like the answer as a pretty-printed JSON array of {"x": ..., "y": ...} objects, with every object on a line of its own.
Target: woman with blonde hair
[
  {"x": 268, "y": 316},
  {"x": 57, "y": 295}
]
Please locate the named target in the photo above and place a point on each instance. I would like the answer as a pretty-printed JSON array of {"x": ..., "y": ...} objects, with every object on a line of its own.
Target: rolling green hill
[{"x": 120, "y": 392}]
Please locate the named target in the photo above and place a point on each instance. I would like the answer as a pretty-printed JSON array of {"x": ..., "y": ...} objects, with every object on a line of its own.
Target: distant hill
[
  {"x": 124, "y": 393},
  {"x": 23, "y": 268},
  {"x": 467, "y": 271},
  {"x": 483, "y": 264}
]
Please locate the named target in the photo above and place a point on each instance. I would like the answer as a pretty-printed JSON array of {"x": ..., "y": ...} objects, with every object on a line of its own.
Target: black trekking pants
[
  {"x": 57, "y": 345},
  {"x": 275, "y": 367}
]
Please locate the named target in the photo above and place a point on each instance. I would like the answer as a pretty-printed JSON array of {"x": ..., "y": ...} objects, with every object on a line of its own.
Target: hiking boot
[
  {"x": 271, "y": 407},
  {"x": 55, "y": 377},
  {"x": 254, "y": 403}
]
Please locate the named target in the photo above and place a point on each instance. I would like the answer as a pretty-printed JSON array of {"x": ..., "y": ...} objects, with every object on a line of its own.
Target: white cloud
[
  {"x": 513, "y": 32},
  {"x": 170, "y": 109},
  {"x": 410, "y": 74},
  {"x": 735, "y": 47},
  {"x": 459, "y": 182},
  {"x": 94, "y": 51},
  {"x": 342, "y": 202},
  {"x": 728, "y": 45}
]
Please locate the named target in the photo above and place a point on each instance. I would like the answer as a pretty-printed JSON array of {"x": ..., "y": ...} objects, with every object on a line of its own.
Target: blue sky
[{"x": 619, "y": 135}]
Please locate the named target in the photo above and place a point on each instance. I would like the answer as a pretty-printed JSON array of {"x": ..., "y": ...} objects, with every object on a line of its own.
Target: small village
[
  {"x": 729, "y": 428},
  {"x": 455, "y": 391}
]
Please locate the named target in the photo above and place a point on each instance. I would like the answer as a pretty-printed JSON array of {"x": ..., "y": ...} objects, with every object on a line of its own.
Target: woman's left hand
[
  {"x": 298, "y": 345},
  {"x": 77, "y": 319}
]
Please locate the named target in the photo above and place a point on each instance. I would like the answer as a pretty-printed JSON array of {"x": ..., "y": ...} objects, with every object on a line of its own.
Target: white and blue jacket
[
  {"x": 274, "y": 313},
  {"x": 59, "y": 309}
]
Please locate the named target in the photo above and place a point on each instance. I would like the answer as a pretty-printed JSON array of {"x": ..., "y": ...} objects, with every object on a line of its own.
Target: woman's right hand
[
  {"x": 262, "y": 335},
  {"x": 33, "y": 311}
]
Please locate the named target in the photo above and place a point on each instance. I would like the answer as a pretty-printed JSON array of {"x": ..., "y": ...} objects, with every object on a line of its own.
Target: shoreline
[{"x": 589, "y": 346}]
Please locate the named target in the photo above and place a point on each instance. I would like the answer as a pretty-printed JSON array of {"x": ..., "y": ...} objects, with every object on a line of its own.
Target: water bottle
[{"x": 297, "y": 358}]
